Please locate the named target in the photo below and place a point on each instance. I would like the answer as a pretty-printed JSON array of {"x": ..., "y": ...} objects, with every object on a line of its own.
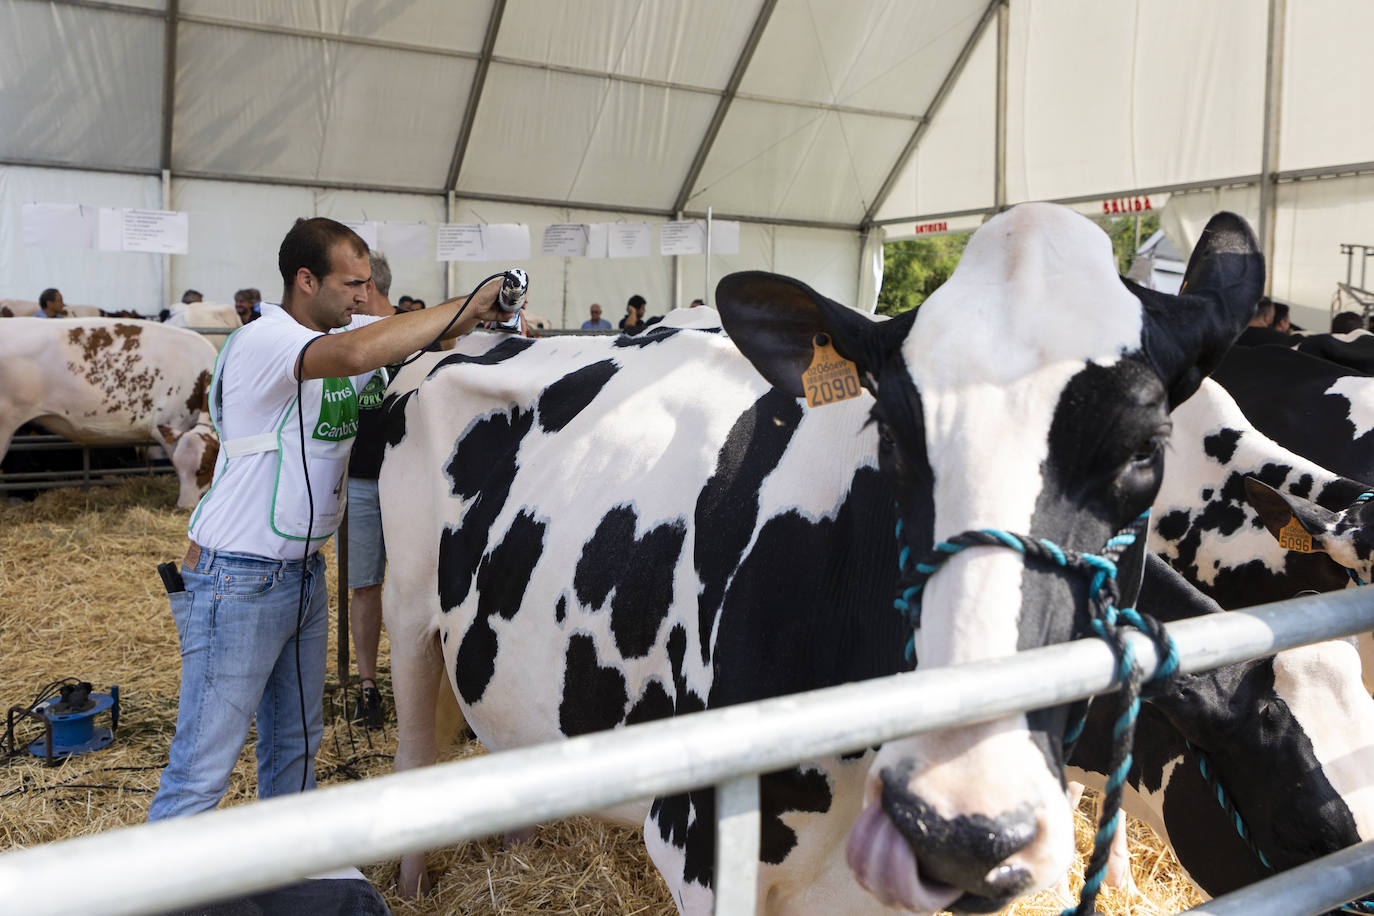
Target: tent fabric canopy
[{"x": 829, "y": 116}]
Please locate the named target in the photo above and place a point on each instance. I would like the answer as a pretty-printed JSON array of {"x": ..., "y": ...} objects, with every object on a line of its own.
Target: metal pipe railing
[
  {"x": 254, "y": 847},
  {"x": 1310, "y": 889}
]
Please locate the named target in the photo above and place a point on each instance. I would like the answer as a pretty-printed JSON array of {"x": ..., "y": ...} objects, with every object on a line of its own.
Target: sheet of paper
[
  {"x": 598, "y": 235},
  {"x": 156, "y": 231},
  {"x": 459, "y": 242},
  {"x": 58, "y": 225},
  {"x": 565, "y": 239},
  {"x": 506, "y": 241},
  {"x": 403, "y": 240},
  {"x": 365, "y": 228},
  {"x": 111, "y": 232},
  {"x": 629, "y": 240},
  {"x": 685, "y": 237}
]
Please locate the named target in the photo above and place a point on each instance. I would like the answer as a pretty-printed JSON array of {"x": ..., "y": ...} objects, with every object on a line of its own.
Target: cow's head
[
  {"x": 1346, "y": 535},
  {"x": 1030, "y": 394},
  {"x": 1304, "y": 712},
  {"x": 193, "y": 453}
]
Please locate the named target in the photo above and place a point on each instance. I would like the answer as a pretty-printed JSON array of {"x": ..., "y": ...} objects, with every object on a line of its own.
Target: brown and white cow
[{"x": 103, "y": 381}]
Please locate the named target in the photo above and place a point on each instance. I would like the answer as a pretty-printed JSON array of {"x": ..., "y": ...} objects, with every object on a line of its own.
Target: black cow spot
[
  {"x": 685, "y": 698},
  {"x": 392, "y": 417},
  {"x": 811, "y": 604},
  {"x": 654, "y": 703},
  {"x": 1173, "y": 525},
  {"x": 652, "y": 336},
  {"x": 1303, "y": 487},
  {"x": 1206, "y": 494},
  {"x": 1222, "y": 445},
  {"x": 640, "y": 570},
  {"x": 560, "y": 610},
  {"x": 784, "y": 792},
  {"x": 728, "y": 506},
  {"x": 594, "y": 697},
  {"x": 483, "y": 466},
  {"x": 687, "y": 822},
  {"x": 511, "y": 346},
  {"x": 567, "y": 397},
  {"x": 1274, "y": 474},
  {"x": 501, "y": 580}
]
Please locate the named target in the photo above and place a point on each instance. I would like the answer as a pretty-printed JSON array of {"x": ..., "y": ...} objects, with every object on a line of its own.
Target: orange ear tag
[
  {"x": 1294, "y": 537},
  {"x": 831, "y": 377}
]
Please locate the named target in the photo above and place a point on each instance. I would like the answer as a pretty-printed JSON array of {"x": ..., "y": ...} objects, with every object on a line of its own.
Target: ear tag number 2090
[{"x": 831, "y": 377}]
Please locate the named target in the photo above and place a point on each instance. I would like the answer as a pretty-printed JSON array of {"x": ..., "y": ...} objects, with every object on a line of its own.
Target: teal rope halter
[{"x": 1107, "y": 621}]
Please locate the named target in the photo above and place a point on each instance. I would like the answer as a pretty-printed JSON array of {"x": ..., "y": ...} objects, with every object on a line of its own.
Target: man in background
[
  {"x": 245, "y": 304},
  {"x": 190, "y": 296},
  {"x": 49, "y": 304},
  {"x": 366, "y": 549},
  {"x": 596, "y": 323}
]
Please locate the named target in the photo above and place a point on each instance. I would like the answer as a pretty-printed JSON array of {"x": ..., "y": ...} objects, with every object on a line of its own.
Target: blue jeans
[{"x": 237, "y": 623}]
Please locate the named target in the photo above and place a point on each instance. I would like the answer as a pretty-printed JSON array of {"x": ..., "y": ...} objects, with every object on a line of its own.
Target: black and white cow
[
  {"x": 1353, "y": 350},
  {"x": 1289, "y": 739},
  {"x": 1321, "y": 410},
  {"x": 1205, "y": 523},
  {"x": 605, "y": 531}
]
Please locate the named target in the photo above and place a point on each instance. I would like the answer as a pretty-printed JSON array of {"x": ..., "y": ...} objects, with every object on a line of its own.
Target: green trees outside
[{"x": 915, "y": 268}]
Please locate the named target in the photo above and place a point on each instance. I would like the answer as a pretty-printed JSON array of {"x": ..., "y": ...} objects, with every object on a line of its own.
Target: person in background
[
  {"x": 596, "y": 322},
  {"x": 251, "y": 604},
  {"x": 245, "y": 304},
  {"x": 1282, "y": 322},
  {"x": 49, "y": 304},
  {"x": 416, "y": 304},
  {"x": 366, "y": 549},
  {"x": 1346, "y": 322},
  {"x": 633, "y": 322},
  {"x": 1259, "y": 332},
  {"x": 190, "y": 296},
  {"x": 696, "y": 304},
  {"x": 403, "y": 304}
]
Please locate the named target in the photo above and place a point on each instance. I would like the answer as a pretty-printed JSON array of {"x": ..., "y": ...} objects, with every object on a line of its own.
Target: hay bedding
[{"x": 80, "y": 597}]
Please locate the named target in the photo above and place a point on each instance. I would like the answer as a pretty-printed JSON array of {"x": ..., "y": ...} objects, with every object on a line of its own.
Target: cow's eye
[{"x": 1146, "y": 453}]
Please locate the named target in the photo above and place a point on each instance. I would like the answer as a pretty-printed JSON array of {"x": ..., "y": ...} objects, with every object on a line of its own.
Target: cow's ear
[
  {"x": 1296, "y": 523},
  {"x": 774, "y": 320},
  {"x": 1186, "y": 336}
]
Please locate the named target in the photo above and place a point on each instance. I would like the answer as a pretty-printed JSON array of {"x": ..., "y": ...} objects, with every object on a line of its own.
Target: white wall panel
[
  {"x": 692, "y": 42},
  {"x": 430, "y": 23},
  {"x": 236, "y": 230},
  {"x": 417, "y": 277},
  {"x": 1328, "y": 72},
  {"x": 112, "y": 280},
  {"x": 80, "y": 86}
]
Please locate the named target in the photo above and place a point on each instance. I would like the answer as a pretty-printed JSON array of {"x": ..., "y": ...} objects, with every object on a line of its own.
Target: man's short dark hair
[
  {"x": 308, "y": 245},
  {"x": 1346, "y": 322},
  {"x": 1280, "y": 311},
  {"x": 1265, "y": 306},
  {"x": 48, "y": 295},
  {"x": 403, "y": 300},
  {"x": 191, "y": 295},
  {"x": 636, "y": 301}
]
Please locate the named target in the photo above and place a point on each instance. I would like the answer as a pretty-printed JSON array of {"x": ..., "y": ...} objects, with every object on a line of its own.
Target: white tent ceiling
[{"x": 834, "y": 116}]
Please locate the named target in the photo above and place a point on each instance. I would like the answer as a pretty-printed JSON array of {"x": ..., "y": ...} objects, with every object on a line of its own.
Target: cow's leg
[
  {"x": 417, "y": 674},
  {"x": 1062, "y": 889},
  {"x": 666, "y": 837},
  {"x": 1119, "y": 861}
]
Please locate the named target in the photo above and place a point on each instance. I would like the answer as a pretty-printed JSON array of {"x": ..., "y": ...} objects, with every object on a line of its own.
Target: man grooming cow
[
  {"x": 252, "y": 615},
  {"x": 757, "y": 557}
]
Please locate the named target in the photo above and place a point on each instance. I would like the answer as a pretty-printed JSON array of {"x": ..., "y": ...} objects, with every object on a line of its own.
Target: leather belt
[{"x": 192, "y": 556}]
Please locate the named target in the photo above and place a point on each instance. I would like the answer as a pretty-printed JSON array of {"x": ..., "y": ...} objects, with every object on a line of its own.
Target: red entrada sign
[
  {"x": 1126, "y": 205},
  {"x": 927, "y": 228}
]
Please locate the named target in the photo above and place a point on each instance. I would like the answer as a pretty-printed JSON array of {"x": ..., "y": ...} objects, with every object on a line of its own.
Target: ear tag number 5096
[{"x": 831, "y": 377}]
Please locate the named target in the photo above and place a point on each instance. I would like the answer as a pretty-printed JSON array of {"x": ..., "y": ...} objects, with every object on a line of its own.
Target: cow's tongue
[{"x": 881, "y": 859}]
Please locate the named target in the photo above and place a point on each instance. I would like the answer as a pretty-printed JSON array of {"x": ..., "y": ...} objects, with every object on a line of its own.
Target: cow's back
[{"x": 102, "y": 381}]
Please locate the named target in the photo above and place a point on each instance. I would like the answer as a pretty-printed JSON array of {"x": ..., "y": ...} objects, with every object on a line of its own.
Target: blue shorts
[{"x": 366, "y": 551}]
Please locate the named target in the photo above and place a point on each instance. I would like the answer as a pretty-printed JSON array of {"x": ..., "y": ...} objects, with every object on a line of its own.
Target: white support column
[
  {"x": 706, "y": 296},
  {"x": 999, "y": 172},
  {"x": 737, "y": 846},
  {"x": 451, "y": 268},
  {"x": 166, "y": 258},
  {"x": 1269, "y": 162}
]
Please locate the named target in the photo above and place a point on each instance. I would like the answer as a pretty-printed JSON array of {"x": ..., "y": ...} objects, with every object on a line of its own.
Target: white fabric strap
[{"x": 249, "y": 445}]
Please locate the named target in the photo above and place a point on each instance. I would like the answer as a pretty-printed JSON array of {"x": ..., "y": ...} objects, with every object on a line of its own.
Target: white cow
[
  {"x": 105, "y": 381},
  {"x": 209, "y": 315}
]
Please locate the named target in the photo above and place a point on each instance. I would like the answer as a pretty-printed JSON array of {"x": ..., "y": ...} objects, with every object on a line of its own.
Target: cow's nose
[{"x": 968, "y": 852}]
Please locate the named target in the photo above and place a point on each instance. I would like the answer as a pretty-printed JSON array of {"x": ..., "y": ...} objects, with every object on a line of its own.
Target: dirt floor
[{"x": 80, "y": 598}]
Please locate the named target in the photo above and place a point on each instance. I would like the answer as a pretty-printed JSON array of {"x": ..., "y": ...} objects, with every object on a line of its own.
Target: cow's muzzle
[{"x": 968, "y": 852}]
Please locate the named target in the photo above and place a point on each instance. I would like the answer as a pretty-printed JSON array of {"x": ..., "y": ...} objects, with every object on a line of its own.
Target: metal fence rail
[
  {"x": 254, "y": 847},
  {"x": 85, "y": 476}
]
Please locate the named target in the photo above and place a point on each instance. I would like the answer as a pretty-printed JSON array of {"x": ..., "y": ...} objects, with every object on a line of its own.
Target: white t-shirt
[{"x": 258, "y": 386}]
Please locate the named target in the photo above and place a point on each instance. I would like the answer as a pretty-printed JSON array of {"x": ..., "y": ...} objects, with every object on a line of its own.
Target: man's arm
[{"x": 393, "y": 339}]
